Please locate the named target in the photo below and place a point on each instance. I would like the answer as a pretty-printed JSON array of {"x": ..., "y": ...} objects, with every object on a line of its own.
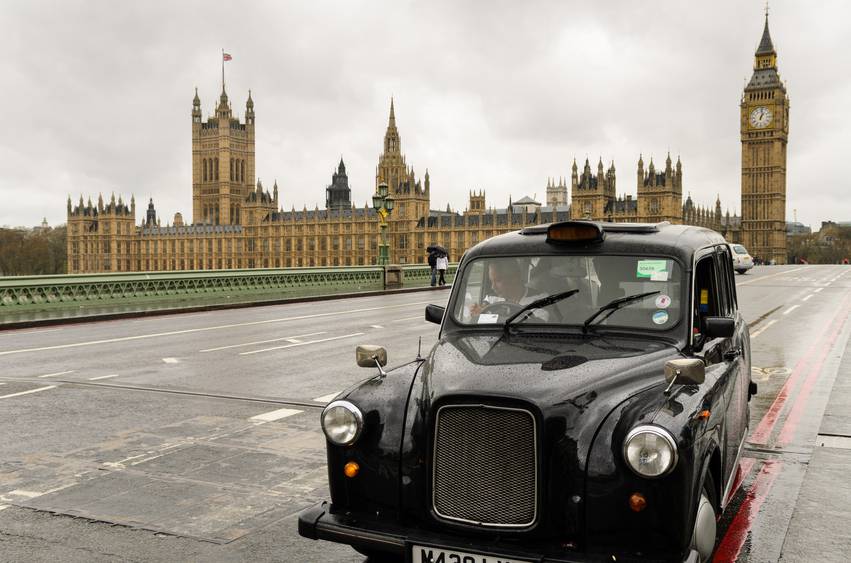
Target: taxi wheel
[
  {"x": 705, "y": 531},
  {"x": 741, "y": 272}
]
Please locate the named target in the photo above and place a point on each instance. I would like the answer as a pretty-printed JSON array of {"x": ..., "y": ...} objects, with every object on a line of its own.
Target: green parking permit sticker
[{"x": 656, "y": 270}]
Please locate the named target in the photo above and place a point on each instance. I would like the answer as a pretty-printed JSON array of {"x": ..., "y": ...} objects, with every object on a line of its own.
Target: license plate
[{"x": 421, "y": 554}]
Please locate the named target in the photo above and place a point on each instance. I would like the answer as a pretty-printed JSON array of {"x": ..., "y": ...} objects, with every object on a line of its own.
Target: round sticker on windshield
[
  {"x": 663, "y": 302},
  {"x": 660, "y": 317}
]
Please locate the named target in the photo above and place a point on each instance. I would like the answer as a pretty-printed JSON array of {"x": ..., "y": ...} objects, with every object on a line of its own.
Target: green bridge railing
[{"x": 28, "y": 298}]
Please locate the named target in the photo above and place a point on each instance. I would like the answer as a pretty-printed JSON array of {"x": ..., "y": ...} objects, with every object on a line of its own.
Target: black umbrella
[{"x": 436, "y": 248}]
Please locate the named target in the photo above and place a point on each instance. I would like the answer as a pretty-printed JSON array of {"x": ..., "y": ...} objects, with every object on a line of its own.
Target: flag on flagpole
[{"x": 226, "y": 57}]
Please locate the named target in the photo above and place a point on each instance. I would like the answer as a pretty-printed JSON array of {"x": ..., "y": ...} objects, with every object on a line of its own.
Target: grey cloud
[{"x": 493, "y": 95}]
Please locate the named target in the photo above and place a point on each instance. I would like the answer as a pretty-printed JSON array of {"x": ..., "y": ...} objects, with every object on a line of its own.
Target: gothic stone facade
[{"x": 236, "y": 223}]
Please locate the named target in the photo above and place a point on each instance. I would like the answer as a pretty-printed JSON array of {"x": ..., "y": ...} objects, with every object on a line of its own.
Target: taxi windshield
[{"x": 646, "y": 290}]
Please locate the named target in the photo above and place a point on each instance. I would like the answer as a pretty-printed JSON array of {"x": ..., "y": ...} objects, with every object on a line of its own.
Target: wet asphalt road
[{"x": 195, "y": 437}]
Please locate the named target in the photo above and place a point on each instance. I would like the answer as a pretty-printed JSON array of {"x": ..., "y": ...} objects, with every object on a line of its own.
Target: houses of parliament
[{"x": 236, "y": 222}]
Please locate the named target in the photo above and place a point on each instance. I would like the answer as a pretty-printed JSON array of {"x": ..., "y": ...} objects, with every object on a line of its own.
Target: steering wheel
[{"x": 502, "y": 308}]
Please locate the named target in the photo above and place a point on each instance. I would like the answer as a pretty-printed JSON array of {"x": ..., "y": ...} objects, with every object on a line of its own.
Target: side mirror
[
  {"x": 686, "y": 371},
  {"x": 719, "y": 327},
  {"x": 434, "y": 313},
  {"x": 367, "y": 356}
]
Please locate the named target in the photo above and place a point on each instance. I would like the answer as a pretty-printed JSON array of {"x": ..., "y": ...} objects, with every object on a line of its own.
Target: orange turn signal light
[
  {"x": 704, "y": 414},
  {"x": 637, "y": 502},
  {"x": 351, "y": 469}
]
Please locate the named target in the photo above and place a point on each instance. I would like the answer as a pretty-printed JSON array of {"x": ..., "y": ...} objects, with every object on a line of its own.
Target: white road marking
[
  {"x": 4, "y": 506},
  {"x": 38, "y": 331},
  {"x": 205, "y": 329},
  {"x": 28, "y": 392},
  {"x": 293, "y": 340},
  {"x": 762, "y": 329},
  {"x": 420, "y": 317},
  {"x": 769, "y": 276},
  {"x": 300, "y": 344},
  {"x": 103, "y": 377},
  {"x": 262, "y": 341},
  {"x": 817, "y": 290},
  {"x": 808, "y": 296},
  {"x": 2, "y": 384},
  {"x": 275, "y": 415},
  {"x": 790, "y": 309},
  {"x": 171, "y": 360},
  {"x": 58, "y": 373},
  {"x": 326, "y": 398},
  {"x": 25, "y": 494},
  {"x": 375, "y": 326}
]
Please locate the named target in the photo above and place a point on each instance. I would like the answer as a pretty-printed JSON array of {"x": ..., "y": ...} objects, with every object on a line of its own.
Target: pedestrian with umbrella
[
  {"x": 434, "y": 252},
  {"x": 432, "y": 263}
]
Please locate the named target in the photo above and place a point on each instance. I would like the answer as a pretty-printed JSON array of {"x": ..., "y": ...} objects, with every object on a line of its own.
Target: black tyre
[{"x": 742, "y": 272}]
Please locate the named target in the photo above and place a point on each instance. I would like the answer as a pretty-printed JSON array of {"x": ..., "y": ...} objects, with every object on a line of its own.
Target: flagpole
[{"x": 223, "y": 70}]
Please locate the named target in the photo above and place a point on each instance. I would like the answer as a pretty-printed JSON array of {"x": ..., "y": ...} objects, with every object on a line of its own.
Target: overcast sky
[{"x": 489, "y": 95}]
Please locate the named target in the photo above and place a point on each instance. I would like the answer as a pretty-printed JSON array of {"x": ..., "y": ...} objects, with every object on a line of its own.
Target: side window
[
  {"x": 706, "y": 298},
  {"x": 727, "y": 280}
]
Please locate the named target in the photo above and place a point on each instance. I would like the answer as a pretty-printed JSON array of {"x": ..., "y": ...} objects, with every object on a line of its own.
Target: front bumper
[{"x": 319, "y": 523}]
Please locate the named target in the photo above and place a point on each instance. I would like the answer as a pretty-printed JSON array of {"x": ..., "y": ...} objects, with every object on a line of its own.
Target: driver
[{"x": 507, "y": 282}]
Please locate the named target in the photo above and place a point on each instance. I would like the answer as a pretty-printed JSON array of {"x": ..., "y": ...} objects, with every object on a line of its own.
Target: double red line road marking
[{"x": 810, "y": 363}]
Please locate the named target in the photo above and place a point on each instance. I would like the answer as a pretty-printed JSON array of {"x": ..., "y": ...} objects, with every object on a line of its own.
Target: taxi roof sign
[{"x": 575, "y": 232}]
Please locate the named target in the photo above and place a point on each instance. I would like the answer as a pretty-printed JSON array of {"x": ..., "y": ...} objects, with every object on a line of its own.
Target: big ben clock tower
[{"x": 765, "y": 132}]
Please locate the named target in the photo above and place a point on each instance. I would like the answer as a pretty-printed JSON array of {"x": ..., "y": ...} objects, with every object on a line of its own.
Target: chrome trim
[
  {"x": 537, "y": 469},
  {"x": 658, "y": 431},
  {"x": 732, "y": 478},
  {"x": 349, "y": 407}
]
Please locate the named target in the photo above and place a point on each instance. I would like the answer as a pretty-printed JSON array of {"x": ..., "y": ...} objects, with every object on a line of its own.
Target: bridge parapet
[{"x": 92, "y": 294}]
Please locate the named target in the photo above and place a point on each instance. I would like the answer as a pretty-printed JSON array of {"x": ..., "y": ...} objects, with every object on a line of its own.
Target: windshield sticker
[
  {"x": 660, "y": 317},
  {"x": 704, "y": 300},
  {"x": 663, "y": 302},
  {"x": 488, "y": 319},
  {"x": 647, "y": 269}
]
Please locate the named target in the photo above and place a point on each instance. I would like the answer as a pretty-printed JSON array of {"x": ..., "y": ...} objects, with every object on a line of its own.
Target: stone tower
[
  {"x": 412, "y": 197},
  {"x": 765, "y": 132},
  {"x": 592, "y": 197},
  {"x": 222, "y": 162},
  {"x": 660, "y": 194},
  {"x": 338, "y": 195},
  {"x": 556, "y": 192}
]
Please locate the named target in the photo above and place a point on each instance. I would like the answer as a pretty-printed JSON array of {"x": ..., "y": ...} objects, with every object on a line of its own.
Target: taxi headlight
[
  {"x": 342, "y": 423},
  {"x": 650, "y": 451}
]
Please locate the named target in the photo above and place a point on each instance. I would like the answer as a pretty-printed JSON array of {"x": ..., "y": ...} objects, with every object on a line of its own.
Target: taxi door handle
[{"x": 732, "y": 354}]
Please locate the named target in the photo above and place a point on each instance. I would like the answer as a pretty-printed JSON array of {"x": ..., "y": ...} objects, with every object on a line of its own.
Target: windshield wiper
[
  {"x": 614, "y": 305},
  {"x": 537, "y": 304}
]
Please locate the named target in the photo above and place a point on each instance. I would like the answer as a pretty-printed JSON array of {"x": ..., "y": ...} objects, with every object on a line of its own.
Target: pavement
[
  {"x": 820, "y": 522},
  {"x": 195, "y": 437}
]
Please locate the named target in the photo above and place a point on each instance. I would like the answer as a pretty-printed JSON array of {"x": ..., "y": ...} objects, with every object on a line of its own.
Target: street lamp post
[{"x": 383, "y": 202}]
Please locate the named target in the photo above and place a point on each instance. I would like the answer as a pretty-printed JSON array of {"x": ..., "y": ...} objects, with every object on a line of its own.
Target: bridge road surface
[{"x": 196, "y": 437}]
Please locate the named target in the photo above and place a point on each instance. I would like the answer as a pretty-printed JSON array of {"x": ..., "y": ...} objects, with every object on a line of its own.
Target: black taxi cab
[{"x": 587, "y": 400}]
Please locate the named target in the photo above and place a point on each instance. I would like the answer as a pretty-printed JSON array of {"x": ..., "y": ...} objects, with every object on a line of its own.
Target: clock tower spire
[{"x": 764, "y": 123}]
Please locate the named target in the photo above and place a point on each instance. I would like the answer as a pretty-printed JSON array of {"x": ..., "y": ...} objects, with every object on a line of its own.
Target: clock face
[{"x": 760, "y": 117}]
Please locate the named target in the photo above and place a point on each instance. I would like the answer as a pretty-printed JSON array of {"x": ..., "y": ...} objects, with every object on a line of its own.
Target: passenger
[{"x": 507, "y": 282}]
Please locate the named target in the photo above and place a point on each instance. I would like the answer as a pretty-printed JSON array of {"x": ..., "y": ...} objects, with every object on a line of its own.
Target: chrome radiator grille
[{"x": 485, "y": 465}]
